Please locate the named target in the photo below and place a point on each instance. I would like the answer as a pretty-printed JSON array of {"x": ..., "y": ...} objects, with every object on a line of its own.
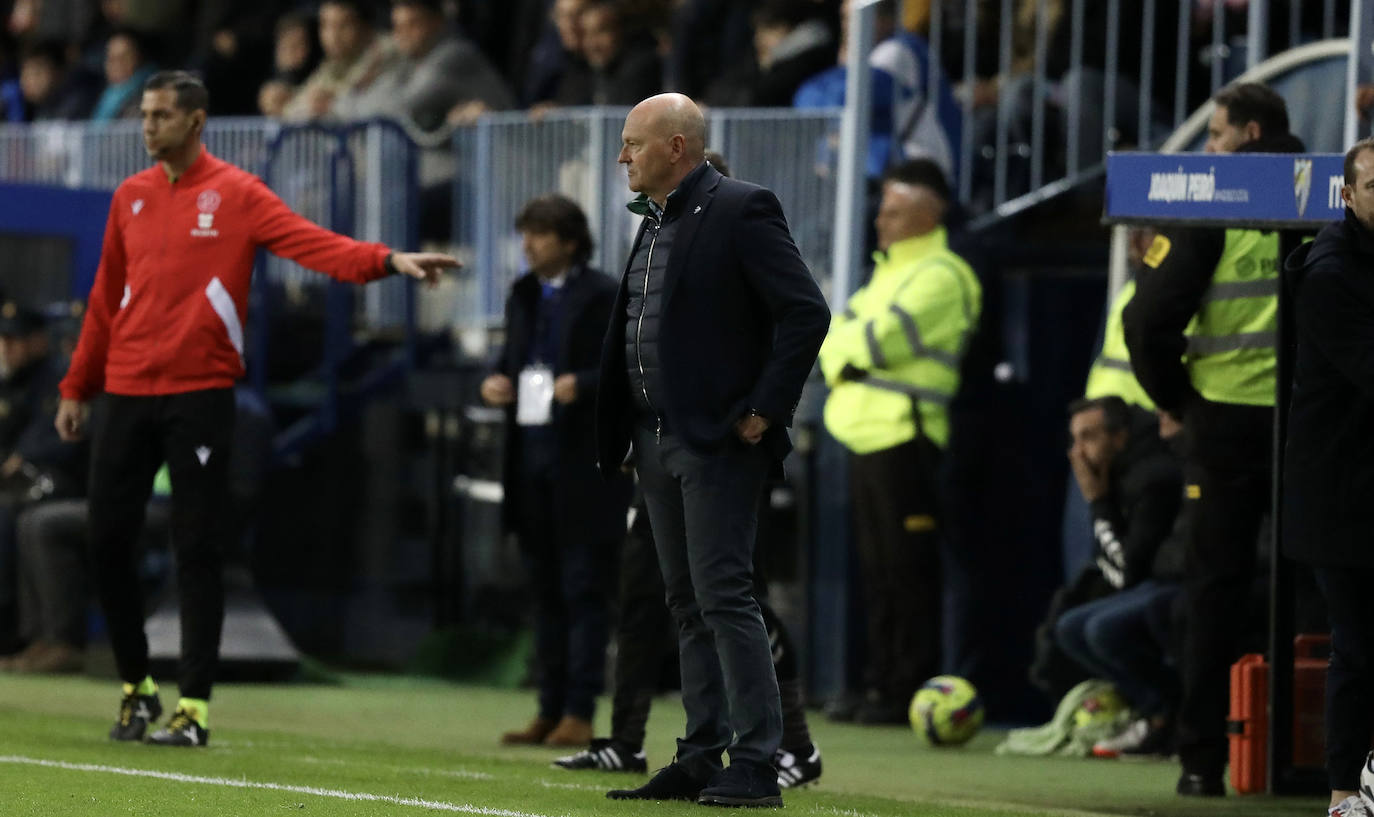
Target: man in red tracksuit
[{"x": 163, "y": 342}]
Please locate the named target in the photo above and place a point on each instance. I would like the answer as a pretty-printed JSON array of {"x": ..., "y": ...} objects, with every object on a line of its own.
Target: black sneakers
[
  {"x": 743, "y": 783},
  {"x": 136, "y": 712},
  {"x": 796, "y": 770},
  {"x": 672, "y": 782},
  {"x": 181, "y": 730},
  {"x": 605, "y": 754}
]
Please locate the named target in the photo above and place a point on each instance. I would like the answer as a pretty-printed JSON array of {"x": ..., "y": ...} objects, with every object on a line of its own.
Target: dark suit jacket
[
  {"x": 586, "y": 505},
  {"x": 742, "y": 321},
  {"x": 1328, "y": 463}
]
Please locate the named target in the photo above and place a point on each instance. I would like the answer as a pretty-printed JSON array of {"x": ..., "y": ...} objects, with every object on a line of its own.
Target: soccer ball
[{"x": 946, "y": 711}]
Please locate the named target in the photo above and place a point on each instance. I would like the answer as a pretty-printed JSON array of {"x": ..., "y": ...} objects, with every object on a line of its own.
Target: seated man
[
  {"x": 34, "y": 464},
  {"x": 1113, "y": 621}
]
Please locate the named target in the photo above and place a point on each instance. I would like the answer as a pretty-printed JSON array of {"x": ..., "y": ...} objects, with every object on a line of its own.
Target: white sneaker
[
  {"x": 1128, "y": 738},
  {"x": 1352, "y": 806},
  {"x": 1367, "y": 782}
]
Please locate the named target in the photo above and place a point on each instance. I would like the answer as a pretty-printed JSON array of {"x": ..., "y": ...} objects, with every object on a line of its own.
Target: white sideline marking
[
  {"x": 464, "y": 774},
  {"x": 437, "y": 805}
]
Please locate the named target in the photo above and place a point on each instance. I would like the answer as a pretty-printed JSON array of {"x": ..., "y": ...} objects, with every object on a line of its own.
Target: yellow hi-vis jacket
[
  {"x": 1232, "y": 339},
  {"x": 1111, "y": 373},
  {"x": 904, "y": 332}
]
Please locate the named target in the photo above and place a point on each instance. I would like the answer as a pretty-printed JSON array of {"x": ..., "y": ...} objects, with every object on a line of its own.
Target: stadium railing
[
  {"x": 359, "y": 179},
  {"x": 506, "y": 159}
]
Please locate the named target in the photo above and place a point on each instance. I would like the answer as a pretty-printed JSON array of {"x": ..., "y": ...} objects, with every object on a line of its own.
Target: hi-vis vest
[
  {"x": 1111, "y": 373},
  {"x": 906, "y": 329},
  {"x": 1231, "y": 355}
]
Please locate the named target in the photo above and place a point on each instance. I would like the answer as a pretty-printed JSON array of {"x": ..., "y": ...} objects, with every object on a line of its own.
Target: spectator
[
  {"x": 354, "y": 56},
  {"x": 619, "y": 66},
  {"x": 559, "y": 47},
  {"x": 567, "y": 519},
  {"x": 53, "y": 89},
  {"x": 1115, "y": 626},
  {"x": 34, "y": 465},
  {"x": 232, "y": 51},
  {"x": 791, "y": 43},
  {"x": 892, "y": 361},
  {"x": 437, "y": 77},
  {"x": 905, "y": 124},
  {"x": 707, "y": 35},
  {"x": 296, "y": 53},
  {"x": 296, "y": 48},
  {"x": 127, "y": 67}
]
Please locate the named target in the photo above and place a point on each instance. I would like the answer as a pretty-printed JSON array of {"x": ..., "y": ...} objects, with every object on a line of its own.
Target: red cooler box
[{"x": 1248, "y": 726}]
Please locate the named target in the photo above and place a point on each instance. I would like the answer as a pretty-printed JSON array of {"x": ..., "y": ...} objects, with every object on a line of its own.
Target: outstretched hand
[{"x": 423, "y": 266}]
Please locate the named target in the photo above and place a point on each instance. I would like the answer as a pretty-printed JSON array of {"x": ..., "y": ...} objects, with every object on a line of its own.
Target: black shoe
[
  {"x": 1191, "y": 784},
  {"x": 743, "y": 783},
  {"x": 136, "y": 712},
  {"x": 672, "y": 782},
  {"x": 605, "y": 754},
  {"x": 181, "y": 730},
  {"x": 797, "y": 769}
]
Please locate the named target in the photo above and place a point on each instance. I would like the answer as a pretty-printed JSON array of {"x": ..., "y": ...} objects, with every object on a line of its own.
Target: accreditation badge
[
  {"x": 1159, "y": 249},
  {"x": 534, "y": 396}
]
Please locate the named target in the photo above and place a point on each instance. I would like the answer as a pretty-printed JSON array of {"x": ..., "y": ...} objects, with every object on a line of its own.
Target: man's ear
[
  {"x": 1252, "y": 131},
  {"x": 1348, "y": 194},
  {"x": 198, "y": 120}
]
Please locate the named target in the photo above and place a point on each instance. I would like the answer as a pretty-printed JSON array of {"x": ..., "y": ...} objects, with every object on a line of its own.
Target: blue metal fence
[{"x": 506, "y": 159}]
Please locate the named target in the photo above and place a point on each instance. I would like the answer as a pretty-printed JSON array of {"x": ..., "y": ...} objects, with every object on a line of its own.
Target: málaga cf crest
[{"x": 1302, "y": 183}]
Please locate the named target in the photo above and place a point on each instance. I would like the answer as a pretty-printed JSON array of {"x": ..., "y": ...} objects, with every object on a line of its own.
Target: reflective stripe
[
  {"x": 1225, "y": 291},
  {"x": 929, "y": 395},
  {"x": 1114, "y": 363},
  {"x": 875, "y": 351},
  {"x": 1199, "y": 345},
  {"x": 223, "y": 304},
  {"x": 913, "y": 337}
]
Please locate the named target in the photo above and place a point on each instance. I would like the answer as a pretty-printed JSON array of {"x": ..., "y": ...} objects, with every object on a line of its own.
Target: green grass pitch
[{"x": 376, "y": 745}]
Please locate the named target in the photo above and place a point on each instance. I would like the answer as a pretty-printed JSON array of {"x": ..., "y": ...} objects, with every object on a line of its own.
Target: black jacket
[
  {"x": 586, "y": 505},
  {"x": 1328, "y": 465},
  {"x": 1217, "y": 434},
  {"x": 741, "y": 325},
  {"x": 1134, "y": 519},
  {"x": 28, "y": 403}
]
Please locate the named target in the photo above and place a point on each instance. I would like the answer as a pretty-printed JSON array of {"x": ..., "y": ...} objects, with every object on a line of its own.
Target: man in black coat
[
  {"x": 567, "y": 519},
  {"x": 714, "y": 330},
  {"x": 1328, "y": 464}
]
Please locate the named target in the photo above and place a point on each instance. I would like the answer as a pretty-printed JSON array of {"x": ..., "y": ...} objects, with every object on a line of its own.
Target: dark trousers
[
  {"x": 1225, "y": 508},
  {"x": 895, "y": 496},
  {"x": 1122, "y": 639},
  {"x": 1350, "y": 676},
  {"x": 54, "y": 575},
  {"x": 644, "y": 639},
  {"x": 130, "y": 439},
  {"x": 570, "y": 577},
  {"x": 704, "y": 514}
]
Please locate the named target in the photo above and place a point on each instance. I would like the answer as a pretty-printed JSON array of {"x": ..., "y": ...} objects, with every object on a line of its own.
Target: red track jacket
[{"x": 166, "y": 313}]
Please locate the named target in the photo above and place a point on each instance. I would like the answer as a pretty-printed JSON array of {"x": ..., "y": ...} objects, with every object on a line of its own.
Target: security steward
[
  {"x": 1201, "y": 333},
  {"x": 1111, "y": 374},
  {"x": 892, "y": 362}
]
